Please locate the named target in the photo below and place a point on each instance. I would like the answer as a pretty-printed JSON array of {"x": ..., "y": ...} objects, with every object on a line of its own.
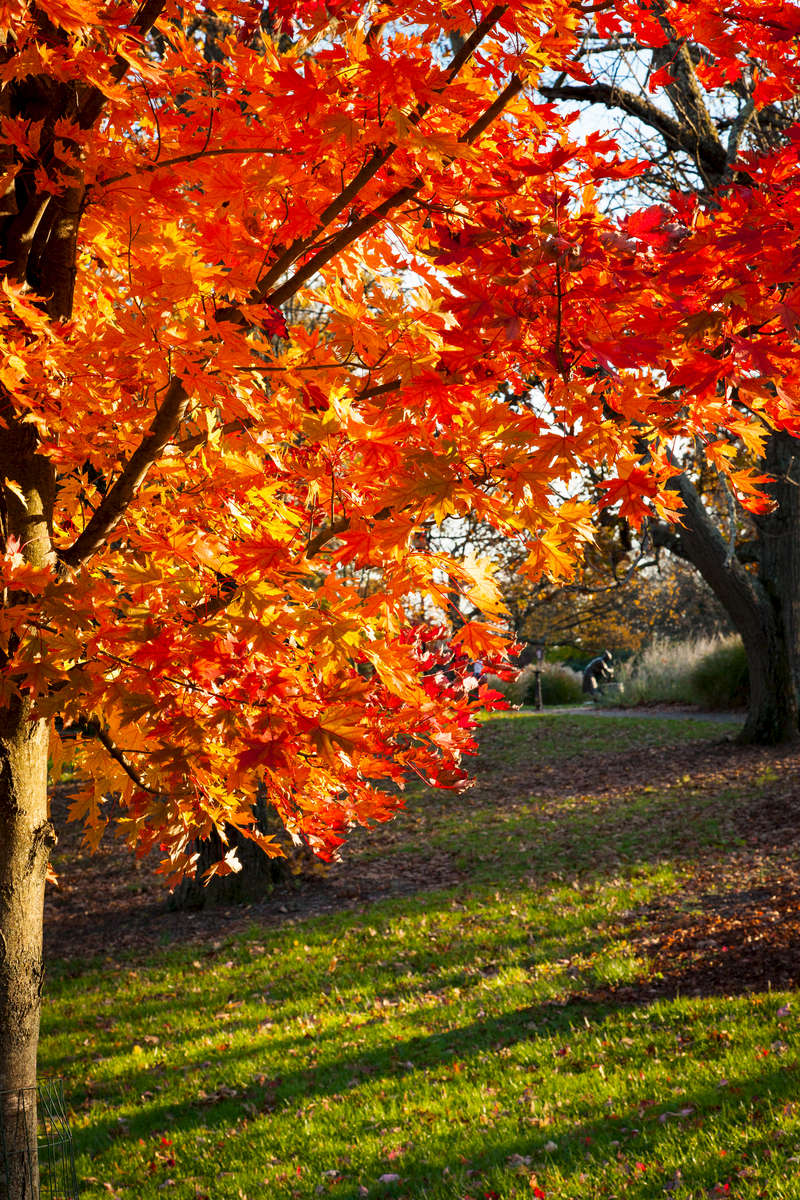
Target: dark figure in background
[{"x": 598, "y": 672}]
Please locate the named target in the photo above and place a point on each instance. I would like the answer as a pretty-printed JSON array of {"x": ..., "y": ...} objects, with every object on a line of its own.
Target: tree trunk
[
  {"x": 257, "y": 879},
  {"x": 779, "y": 543},
  {"x": 26, "y": 835},
  {"x": 25, "y": 845},
  {"x": 755, "y": 612}
]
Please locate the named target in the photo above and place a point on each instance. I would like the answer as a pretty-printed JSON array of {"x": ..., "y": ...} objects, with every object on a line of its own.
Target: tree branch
[
  {"x": 239, "y": 425},
  {"x": 348, "y": 194},
  {"x": 173, "y": 408},
  {"x": 112, "y": 507},
  {"x": 738, "y": 127},
  {"x": 46, "y": 256},
  {"x": 700, "y": 543},
  {"x": 379, "y": 389},
  {"x": 94, "y": 729},
  {"x": 143, "y": 21},
  {"x": 339, "y": 525},
  {"x": 350, "y": 233},
  {"x": 620, "y": 98},
  {"x": 228, "y": 591},
  {"x": 676, "y": 134},
  {"x": 148, "y": 168}
]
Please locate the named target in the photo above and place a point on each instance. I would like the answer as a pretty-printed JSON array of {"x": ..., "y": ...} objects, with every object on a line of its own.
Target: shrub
[
  {"x": 507, "y": 687},
  {"x": 560, "y": 685},
  {"x": 721, "y": 678},
  {"x": 665, "y": 673}
]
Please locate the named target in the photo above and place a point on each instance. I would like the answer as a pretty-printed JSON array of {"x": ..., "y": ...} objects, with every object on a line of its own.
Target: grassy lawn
[{"x": 461, "y": 1043}]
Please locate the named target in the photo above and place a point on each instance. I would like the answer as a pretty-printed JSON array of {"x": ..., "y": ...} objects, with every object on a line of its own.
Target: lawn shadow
[{"x": 639, "y": 1143}]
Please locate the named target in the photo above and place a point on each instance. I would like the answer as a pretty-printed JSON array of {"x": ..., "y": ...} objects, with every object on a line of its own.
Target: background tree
[
  {"x": 679, "y": 104},
  {"x": 193, "y": 478},
  {"x": 621, "y": 594},
  {"x": 663, "y": 599}
]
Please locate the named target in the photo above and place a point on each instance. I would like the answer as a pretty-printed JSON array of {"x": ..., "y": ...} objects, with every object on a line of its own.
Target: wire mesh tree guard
[{"x": 36, "y": 1156}]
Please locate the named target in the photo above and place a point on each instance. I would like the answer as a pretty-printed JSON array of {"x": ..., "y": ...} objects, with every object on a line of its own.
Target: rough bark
[
  {"x": 38, "y": 240},
  {"x": 778, "y": 544},
  {"x": 26, "y": 835},
  {"x": 754, "y": 610},
  {"x": 27, "y": 838}
]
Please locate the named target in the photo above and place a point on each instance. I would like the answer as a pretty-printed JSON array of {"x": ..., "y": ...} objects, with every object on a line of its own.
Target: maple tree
[{"x": 271, "y": 311}]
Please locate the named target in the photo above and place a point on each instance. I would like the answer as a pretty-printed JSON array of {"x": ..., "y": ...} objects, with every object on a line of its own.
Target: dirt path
[{"x": 682, "y": 712}]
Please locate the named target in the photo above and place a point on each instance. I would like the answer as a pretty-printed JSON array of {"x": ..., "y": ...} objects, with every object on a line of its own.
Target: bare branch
[
  {"x": 738, "y": 128},
  {"x": 206, "y": 609},
  {"x": 240, "y": 425},
  {"x": 379, "y": 389},
  {"x": 143, "y": 21},
  {"x": 676, "y": 134},
  {"x": 50, "y": 252},
  {"x": 512, "y": 89}
]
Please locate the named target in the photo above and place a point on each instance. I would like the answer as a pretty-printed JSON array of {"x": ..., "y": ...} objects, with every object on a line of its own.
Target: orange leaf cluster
[{"x": 337, "y": 276}]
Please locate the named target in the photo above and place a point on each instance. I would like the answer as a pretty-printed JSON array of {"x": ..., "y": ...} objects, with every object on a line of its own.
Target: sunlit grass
[{"x": 447, "y": 1045}]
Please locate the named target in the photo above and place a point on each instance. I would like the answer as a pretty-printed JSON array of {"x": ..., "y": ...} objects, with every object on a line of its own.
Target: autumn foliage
[{"x": 282, "y": 291}]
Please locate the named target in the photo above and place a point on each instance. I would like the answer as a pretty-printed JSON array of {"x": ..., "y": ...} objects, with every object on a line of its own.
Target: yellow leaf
[{"x": 481, "y": 588}]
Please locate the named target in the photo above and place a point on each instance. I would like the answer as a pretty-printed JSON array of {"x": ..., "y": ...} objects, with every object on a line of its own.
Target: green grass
[
  {"x": 555, "y": 737},
  {"x": 441, "y": 1041}
]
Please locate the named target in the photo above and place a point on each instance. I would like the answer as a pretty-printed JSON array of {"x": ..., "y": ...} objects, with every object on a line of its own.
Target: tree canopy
[
  {"x": 280, "y": 290},
  {"x": 698, "y": 122}
]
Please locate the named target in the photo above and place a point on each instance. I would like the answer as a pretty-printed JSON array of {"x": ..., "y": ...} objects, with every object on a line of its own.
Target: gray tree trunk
[
  {"x": 755, "y": 608},
  {"x": 779, "y": 543}
]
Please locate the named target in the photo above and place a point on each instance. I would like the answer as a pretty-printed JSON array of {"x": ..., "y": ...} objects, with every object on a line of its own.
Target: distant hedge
[{"x": 721, "y": 678}]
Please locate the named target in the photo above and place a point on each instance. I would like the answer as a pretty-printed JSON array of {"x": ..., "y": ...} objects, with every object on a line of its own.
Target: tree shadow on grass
[
  {"x": 641, "y": 1134},
  {"x": 108, "y": 905},
  {"x": 523, "y": 838},
  {"x": 637, "y": 1151},
  {"x": 753, "y": 942},
  {"x": 462, "y": 956}
]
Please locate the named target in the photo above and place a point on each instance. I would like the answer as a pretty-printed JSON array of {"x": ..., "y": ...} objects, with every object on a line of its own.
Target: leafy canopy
[{"x": 283, "y": 290}]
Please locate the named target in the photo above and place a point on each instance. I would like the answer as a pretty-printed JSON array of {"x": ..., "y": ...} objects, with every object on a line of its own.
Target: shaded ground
[{"x": 735, "y": 925}]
